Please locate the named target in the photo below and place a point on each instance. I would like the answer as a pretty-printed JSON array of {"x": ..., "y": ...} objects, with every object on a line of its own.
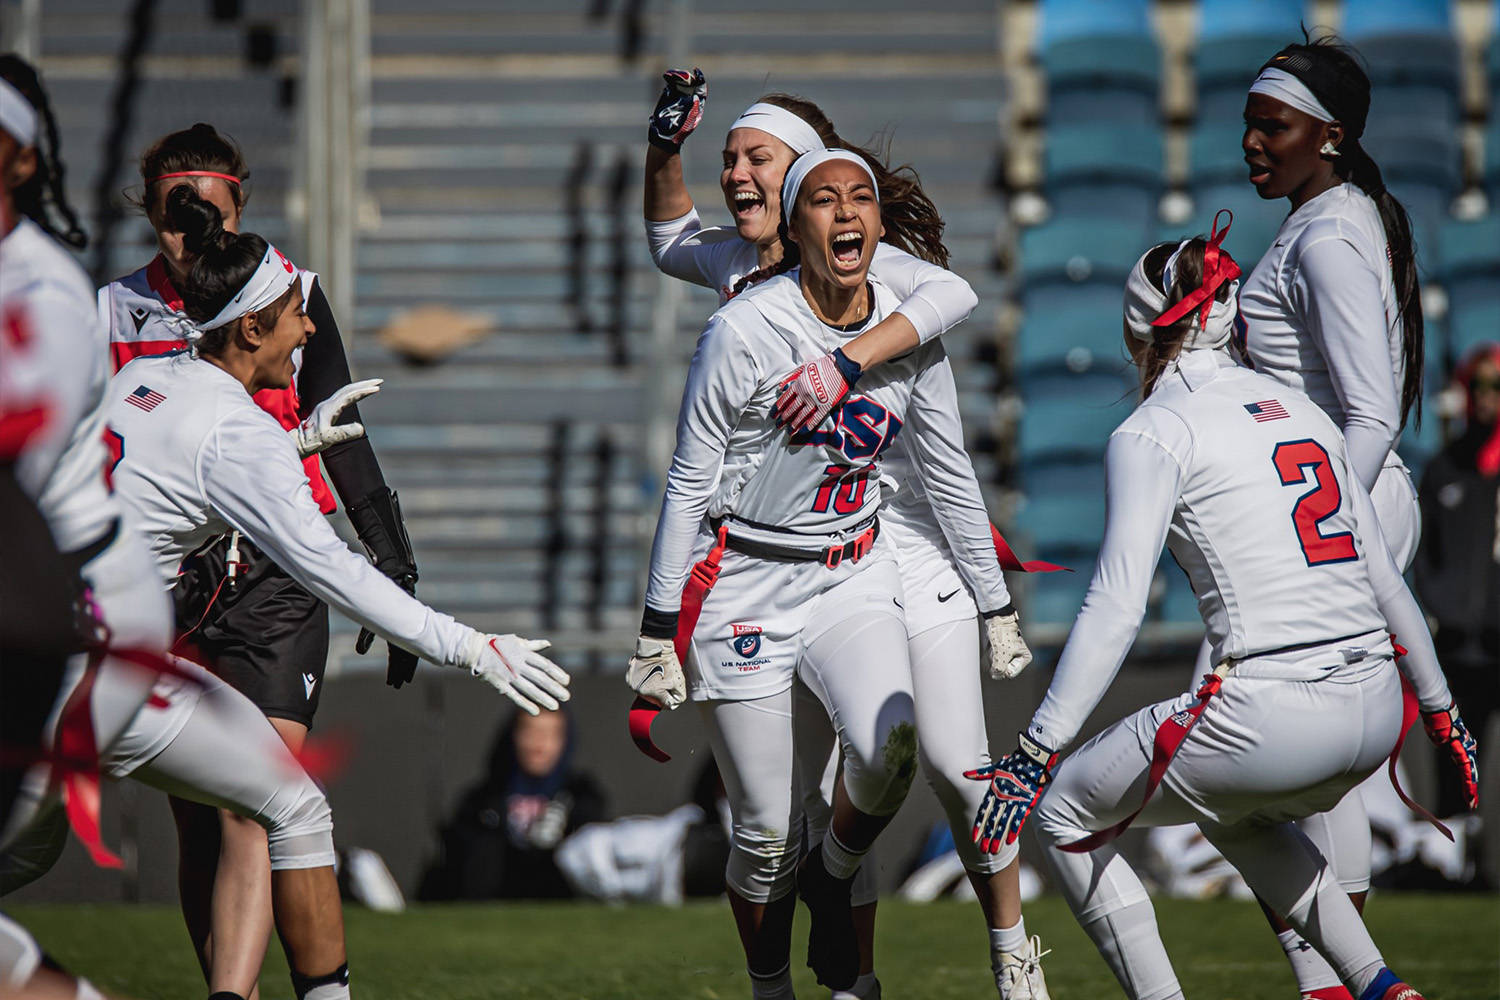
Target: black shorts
[{"x": 265, "y": 636}]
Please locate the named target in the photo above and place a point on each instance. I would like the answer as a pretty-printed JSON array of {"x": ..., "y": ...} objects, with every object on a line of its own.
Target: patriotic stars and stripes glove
[
  {"x": 810, "y": 393},
  {"x": 678, "y": 110},
  {"x": 1016, "y": 783},
  {"x": 1448, "y": 733}
]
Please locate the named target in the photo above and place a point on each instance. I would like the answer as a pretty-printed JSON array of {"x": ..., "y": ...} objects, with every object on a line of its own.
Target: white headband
[
  {"x": 1145, "y": 301},
  {"x": 274, "y": 275},
  {"x": 804, "y": 165},
  {"x": 782, "y": 124},
  {"x": 1289, "y": 90},
  {"x": 17, "y": 116}
]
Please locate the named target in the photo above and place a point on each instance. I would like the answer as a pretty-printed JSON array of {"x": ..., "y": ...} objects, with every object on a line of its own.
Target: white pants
[
  {"x": 1265, "y": 752},
  {"x": 856, "y": 674}
]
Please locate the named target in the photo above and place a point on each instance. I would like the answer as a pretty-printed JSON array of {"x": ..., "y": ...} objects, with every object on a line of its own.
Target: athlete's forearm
[
  {"x": 890, "y": 338},
  {"x": 666, "y": 194}
]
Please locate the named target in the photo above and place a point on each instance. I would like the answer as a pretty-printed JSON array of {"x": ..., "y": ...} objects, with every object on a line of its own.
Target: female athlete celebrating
[
  {"x": 261, "y": 631},
  {"x": 805, "y": 589},
  {"x": 1297, "y": 590},
  {"x": 938, "y": 572},
  {"x": 197, "y": 458},
  {"x": 1333, "y": 309}
]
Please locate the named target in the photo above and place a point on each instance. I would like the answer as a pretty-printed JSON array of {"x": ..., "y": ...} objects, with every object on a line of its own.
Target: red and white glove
[
  {"x": 679, "y": 109},
  {"x": 515, "y": 667},
  {"x": 1448, "y": 733},
  {"x": 810, "y": 393}
]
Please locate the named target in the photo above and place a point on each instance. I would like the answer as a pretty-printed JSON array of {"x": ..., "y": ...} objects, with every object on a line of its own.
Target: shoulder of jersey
[
  {"x": 773, "y": 293},
  {"x": 44, "y": 264}
]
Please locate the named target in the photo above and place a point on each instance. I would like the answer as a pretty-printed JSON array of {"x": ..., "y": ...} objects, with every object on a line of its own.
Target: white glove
[
  {"x": 515, "y": 667},
  {"x": 318, "y": 431},
  {"x": 1007, "y": 651},
  {"x": 655, "y": 674}
]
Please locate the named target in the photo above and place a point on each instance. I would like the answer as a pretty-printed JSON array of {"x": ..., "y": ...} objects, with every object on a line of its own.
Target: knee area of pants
[
  {"x": 879, "y": 785},
  {"x": 763, "y": 871},
  {"x": 1054, "y": 823},
  {"x": 19, "y": 954},
  {"x": 300, "y": 835}
]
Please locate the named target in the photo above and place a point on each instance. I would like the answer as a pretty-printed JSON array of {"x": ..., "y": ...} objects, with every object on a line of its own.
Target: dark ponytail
[
  {"x": 43, "y": 198},
  {"x": 225, "y": 262},
  {"x": 911, "y": 220},
  {"x": 1333, "y": 73}
]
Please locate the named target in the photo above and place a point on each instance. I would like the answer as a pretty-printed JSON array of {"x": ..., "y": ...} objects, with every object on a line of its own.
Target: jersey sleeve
[
  {"x": 1336, "y": 296},
  {"x": 685, "y": 250},
  {"x": 947, "y": 476},
  {"x": 1143, "y": 474},
  {"x": 721, "y": 379},
  {"x": 933, "y": 299},
  {"x": 1402, "y": 615},
  {"x": 250, "y": 475}
]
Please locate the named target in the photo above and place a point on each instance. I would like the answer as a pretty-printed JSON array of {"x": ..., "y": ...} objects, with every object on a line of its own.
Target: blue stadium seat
[
  {"x": 1055, "y": 598},
  {"x": 1100, "y": 171},
  {"x": 1492, "y": 157},
  {"x": 1468, "y": 264},
  {"x": 1256, "y": 220},
  {"x": 1473, "y": 314},
  {"x": 1066, "y": 20},
  {"x": 1076, "y": 250},
  {"x": 1071, "y": 328},
  {"x": 1070, "y": 415},
  {"x": 1221, "y": 19},
  {"x": 1178, "y": 602},
  {"x": 1100, "y": 61},
  {"x": 1064, "y": 509},
  {"x": 1364, "y": 19}
]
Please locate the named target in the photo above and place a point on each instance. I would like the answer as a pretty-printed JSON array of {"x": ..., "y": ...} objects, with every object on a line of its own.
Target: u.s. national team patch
[
  {"x": 746, "y": 645},
  {"x": 1266, "y": 409},
  {"x": 145, "y": 398}
]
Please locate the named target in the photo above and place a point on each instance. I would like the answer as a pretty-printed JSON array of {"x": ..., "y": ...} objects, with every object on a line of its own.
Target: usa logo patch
[{"x": 746, "y": 645}]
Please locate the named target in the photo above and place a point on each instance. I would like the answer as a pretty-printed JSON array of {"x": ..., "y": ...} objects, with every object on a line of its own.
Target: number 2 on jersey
[{"x": 1300, "y": 462}]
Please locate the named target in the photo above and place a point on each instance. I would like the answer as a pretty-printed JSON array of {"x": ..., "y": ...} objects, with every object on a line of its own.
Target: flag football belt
[{"x": 832, "y": 556}]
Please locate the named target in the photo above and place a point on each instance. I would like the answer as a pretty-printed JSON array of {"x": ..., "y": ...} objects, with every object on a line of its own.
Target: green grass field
[{"x": 1448, "y": 946}]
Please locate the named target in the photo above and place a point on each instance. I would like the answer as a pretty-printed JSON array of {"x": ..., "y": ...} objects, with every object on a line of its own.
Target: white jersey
[
  {"x": 934, "y": 300},
  {"x": 1249, "y": 485},
  {"x": 1321, "y": 316},
  {"x": 46, "y": 305},
  {"x": 199, "y": 458},
  {"x": 733, "y": 462}
]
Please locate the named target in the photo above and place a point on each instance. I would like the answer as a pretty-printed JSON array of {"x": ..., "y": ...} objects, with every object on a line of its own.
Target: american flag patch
[
  {"x": 1266, "y": 409},
  {"x": 145, "y": 399}
]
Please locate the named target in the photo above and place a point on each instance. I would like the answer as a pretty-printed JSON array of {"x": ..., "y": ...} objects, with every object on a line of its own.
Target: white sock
[
  {"x": 865, "y": 988},
  {"x": 1010, "y": 940},
  {"x": 776, "y": 986},
  {"x": 334, "y": 986},
  {"x": 841, "y": 861},
  {"x": 1309, "y": 967}
]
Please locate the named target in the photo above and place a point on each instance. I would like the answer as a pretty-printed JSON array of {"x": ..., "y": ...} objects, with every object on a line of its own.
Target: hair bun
[{"x": 199, "y": 221}]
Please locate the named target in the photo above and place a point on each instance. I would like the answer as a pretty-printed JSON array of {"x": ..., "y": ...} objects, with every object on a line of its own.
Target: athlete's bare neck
[
  {"x": 768, "y": 254},
  {"x": 834, "y": 303},
  {"x": 238, "y": 364}
]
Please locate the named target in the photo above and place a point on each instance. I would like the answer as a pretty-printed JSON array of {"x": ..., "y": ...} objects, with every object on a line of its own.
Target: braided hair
[
  {"x": 1333, "y": 73},
  {"x": 911, "y": 220},
  {"x": 223, "y": 263},
  {"x": 43, "y": 198}
]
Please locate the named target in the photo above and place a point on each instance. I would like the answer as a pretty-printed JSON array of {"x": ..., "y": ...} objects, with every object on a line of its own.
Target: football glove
[
  {"x": 1016, "y": 783},
  {"x": 811, "y": 392},
  {"x": 1448, "y": 733},
  {"x": 679, "y": 109},
  {"x": 515, "y": 667},
  {"x": 655, "y": 673},
  {"x": 320, "y": 430},
  {"x": 1006, "y": 651},
  {"x": 378, "y": 522}
]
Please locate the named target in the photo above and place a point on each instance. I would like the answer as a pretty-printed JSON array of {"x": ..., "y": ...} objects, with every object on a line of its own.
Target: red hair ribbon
[
  {"x": 1218, "y": 267},
  {"x": 197, "y": 173}
]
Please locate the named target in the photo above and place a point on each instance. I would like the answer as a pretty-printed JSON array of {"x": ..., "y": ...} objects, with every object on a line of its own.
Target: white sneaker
[{"x": 1020, "y": 974}]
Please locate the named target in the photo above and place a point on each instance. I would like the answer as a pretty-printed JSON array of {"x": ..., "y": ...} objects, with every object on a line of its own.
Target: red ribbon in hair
[{"x": 1218, "y": 267}]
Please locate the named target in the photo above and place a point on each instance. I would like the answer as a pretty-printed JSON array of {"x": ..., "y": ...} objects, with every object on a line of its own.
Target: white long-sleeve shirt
[
  {"x": 731, "y": 459},
  {"x": 1249, "y": 485},
  {"x": 199, "y": 458},
  {"x": 47, "y": 312},
  {"x": 1321, "y": 316},
  {"x": 933, "y": 300}
]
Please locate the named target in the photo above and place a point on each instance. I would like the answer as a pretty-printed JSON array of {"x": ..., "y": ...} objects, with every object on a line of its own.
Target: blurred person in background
[
  {"x": 505, "y": 832},
  {"x": 954, "y": 589},
  {"x": 264, "y": 633},
  {"x": 1458, "y": 564}
]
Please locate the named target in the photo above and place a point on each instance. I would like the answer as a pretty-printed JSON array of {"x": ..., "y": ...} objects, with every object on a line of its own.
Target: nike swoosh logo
[
  {"x": 942, "y": 598},
  {"x": 650, "y": 673},
  {"x": 898, "y": 604}
]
